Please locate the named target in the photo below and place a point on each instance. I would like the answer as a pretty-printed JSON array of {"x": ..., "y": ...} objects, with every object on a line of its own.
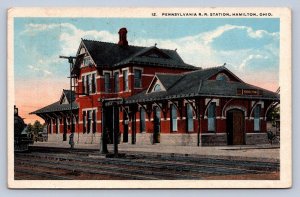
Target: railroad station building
[{"x": 150, "y": 95}]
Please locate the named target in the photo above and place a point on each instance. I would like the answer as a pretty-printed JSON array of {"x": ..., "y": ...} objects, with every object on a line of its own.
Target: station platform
[{"x": 265, "y": 152}]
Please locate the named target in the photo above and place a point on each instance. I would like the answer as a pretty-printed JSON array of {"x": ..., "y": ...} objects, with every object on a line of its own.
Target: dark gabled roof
[
  {"x": 168, "y": 80},
  {"x": 197, "y": 83},
  {"x": 110, "y": 54},
  {"x": 56, "y": 107}
]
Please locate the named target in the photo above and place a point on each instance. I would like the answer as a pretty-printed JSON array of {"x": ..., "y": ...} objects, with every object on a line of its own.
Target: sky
[{"x": 249, "y": 47}]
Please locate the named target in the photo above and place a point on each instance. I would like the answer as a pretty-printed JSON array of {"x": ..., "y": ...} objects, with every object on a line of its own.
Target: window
[
  {"x": 174, "y": 118},
  {"x": 189, "y": 118},
  {"x": 84, "y": 121},
  {"x": 94, "y": 121},
  {"x": 212, "y": 117},
  {"x": 125, "y": 79},
  {"x": 143, "y": 120},
  {"x": 157, "y": 88},
  {"x": 222, "y": 77},
  {"x": 83, "y": 84},
  {"x": 106, "y": 82},
  {"x": 93, "y": 88},
  {"x": 89, "y": 121},
  {"x": 137, "y": 78},
  {"x": 87, "y": 84},
  {"x": 116, "y": 81},
  {"x": 257, "y": 118}
]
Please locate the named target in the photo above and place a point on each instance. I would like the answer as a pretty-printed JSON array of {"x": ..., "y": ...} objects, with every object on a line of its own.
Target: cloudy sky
[{"x": 250, "y": 48}]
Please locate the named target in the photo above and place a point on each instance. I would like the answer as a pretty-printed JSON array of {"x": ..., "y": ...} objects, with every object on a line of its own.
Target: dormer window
[
  {"x": 222, "y": 77},
  {"x": 157, "y": 88}
]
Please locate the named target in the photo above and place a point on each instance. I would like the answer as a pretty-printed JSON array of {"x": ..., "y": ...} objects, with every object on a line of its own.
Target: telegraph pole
[{"x": 70, "y": 60}]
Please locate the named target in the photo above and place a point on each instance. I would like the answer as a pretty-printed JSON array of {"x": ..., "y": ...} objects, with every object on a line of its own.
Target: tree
[
  {"x": 36, "y": 128},
  {"x": 274, "y": 115},
  {"x": 29, "y": 129}
]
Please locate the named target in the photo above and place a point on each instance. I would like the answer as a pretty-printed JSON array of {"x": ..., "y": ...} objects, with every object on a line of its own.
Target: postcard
[{"x": 149, "y": 98}]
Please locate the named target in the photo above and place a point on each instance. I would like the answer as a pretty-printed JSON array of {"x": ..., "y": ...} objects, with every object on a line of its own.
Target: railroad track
[
  {"x": 133, "y": 173},
  {"x": 245, "y": 166},
  {"x": 146, "y": 168}
]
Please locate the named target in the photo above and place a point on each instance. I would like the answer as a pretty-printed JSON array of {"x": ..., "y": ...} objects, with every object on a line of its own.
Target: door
[
  {"x": 156, "y": 134},
  {"x": 125, "y": 125},
  {"x": 235, "y": 127}
]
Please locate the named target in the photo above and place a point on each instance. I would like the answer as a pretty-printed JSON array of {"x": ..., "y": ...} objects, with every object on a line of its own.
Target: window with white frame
[
  {"x": 256, "y": 112},
  {"x": 89, "y": 83},
  {"x": 116, "y": 81},
  {"x": 83, "y": 84},
  {"x": 143, "y": 120},
  {"x": 106, "y": 82},
  {"x": 93, "y": 83},
  {"x": 125, "y": 80},
  {"x": 174, "y": 117},
  {"x": 157, "y": 88},
  {"x": 211, "y": 116},
  {"x": 137, "y": 78},
  {"x": 89, "y": 120},
  {"x": 94, "y": 121},
  {"x": 189, "y": 117}
]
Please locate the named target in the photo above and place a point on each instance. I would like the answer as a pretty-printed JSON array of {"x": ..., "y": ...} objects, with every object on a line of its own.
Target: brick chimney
[{"x": 123, "y": 37}]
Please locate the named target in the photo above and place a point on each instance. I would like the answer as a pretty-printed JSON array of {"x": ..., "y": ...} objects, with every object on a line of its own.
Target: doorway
[
  {"x": 108, "y": 123},
  {"x": 125, "y": 126},
  {"x": 235, "y": 127}
]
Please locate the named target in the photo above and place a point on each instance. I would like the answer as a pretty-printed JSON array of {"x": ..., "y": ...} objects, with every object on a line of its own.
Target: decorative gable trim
[
  {"x": 63, "y": 99},
  {"x": 87, "y": 54},
  {"x": 155, "y": 53},
  {"x": 155, "y": 81},
  {"x": 228, "y": 74}
]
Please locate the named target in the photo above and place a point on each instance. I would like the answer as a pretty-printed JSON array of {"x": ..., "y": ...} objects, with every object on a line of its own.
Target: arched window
[
  {"x": 222, "y": 77},
  {"x": 189, "y": 118},
  {"x": 157, "y": 88},
  {"x": 212, "y": 117},
  {"x": 173, "y": 118},
  {"x": 257, "y": 110}
]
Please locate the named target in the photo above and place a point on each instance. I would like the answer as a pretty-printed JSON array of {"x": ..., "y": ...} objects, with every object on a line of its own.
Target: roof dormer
[{"x": 156, "y": 86}]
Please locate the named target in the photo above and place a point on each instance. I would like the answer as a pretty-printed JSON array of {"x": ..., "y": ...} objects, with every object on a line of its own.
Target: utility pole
[{"x": 70, "y": 60}]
